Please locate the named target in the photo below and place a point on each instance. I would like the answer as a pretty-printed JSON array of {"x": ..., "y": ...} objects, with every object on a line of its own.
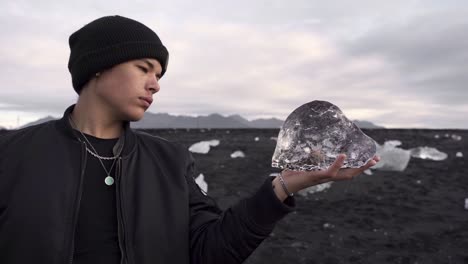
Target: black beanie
[{"x": 108, "y": 41}]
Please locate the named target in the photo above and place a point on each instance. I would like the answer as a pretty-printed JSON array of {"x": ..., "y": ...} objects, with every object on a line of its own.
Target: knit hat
[{"x": 108, "y": 41}]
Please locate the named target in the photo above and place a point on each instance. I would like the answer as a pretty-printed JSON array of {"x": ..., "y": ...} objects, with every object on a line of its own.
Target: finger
[
  {"x": 356, "y": 171},
  {"x": 336, "y": 166},
  {"x": 369, "y": 164},
  {"x": 376, "y": 158},
  {"x": 372, "y": 162}
]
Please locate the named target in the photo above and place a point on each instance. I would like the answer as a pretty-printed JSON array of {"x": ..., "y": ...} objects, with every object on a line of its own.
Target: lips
[{"x": 147, "y": 101}]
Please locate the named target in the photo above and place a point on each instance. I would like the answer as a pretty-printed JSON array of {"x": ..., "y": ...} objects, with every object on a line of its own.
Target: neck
[{"x": 93, "y": 120}]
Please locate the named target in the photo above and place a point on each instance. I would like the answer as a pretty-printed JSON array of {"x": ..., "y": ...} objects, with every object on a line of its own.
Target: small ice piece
[
  {"x": 315, "y": 188},
  {"x": 466, "y": 203},
  {"x": 274, "y": 138},
  {"x": 428, "y": 153},
  {"x": 459, "y": 155},
  {"x": 203, "y": 147},
  {"x": 315, "y": 133},
  {"x": 200, "y": 181},
  {"x": 257, "y": 139},
  {"x": 436, "y": 136},
  {"x": 418, "y": 182},
  {"x": 237, "y": 154},
  {"x": 392, "y": 143},
  {"x": 368, "y": 172},
  {"x": 299, "y": 245},
  {"x": 456, "y": 137},
  {"x": 392, "y": 158},
  {"x": 213, "y": 143}
]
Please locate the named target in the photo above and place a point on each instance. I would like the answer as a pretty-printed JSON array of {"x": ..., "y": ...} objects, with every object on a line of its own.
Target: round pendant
[{"x": 109, "y": 180}]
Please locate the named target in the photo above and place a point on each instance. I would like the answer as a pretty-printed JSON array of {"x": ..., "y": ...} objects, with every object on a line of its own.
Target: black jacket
[{"x": 163, "y": 216}]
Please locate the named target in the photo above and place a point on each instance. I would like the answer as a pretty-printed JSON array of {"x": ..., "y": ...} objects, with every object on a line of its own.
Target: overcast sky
[{"x": 394, "y": 63}]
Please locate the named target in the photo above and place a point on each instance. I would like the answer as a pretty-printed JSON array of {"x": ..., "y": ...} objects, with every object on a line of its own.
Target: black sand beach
[{"x": 414, "y": 216}]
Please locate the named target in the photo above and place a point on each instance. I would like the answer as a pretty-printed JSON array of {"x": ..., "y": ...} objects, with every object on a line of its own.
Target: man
[{"x": 88, "y": 189}]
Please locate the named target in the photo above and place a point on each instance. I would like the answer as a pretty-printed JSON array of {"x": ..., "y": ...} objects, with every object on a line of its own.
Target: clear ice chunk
[
  {"x": 200, "y": 147},
  {"x": 392, "y": 158},
  {"x": 200, "y": 181},
  {"x": 237, "y": 154},
  {"x": 428, "y": 153},
  {"x": 203, "y": 147},
  {"x": 213, "y": 142},
  {"x": 392, "y": 143},
  {"x": 315, "y": 133}
]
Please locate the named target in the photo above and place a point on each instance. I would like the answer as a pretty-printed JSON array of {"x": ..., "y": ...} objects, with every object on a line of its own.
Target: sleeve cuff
[{"x": 265, "y": 209}]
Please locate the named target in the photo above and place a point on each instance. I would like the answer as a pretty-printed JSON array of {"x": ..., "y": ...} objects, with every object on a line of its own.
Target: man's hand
[{"x": 298, "y": 180}]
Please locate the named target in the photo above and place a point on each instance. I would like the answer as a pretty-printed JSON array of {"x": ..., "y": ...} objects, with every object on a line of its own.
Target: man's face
[{"x": 126, "y": 90}]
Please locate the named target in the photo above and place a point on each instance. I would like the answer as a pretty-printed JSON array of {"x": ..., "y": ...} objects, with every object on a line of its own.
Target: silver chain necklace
[
  {"x": 109, "y": 180},
  {"x": 100, "y": 157}
]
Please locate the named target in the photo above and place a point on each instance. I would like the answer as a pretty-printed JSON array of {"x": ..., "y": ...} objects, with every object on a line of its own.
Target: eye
[{"x": 144, "y": 69}]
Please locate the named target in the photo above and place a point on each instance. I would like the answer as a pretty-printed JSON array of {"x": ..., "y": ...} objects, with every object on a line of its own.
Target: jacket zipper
[
  {"x": 78, "y": 202},
  {"x": 121, "y": 223}
]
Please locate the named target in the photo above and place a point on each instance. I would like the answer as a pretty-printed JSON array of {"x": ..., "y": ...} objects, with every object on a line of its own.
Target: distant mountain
[
  {"x": 151, "y": 120},
  {"x": 39, "y": 121},
  {"x": 240, "y": 119},
  {"x": 267, "y": 123},
  {"x": 164, "y": 120},
  {"x": 366, "y": 124}
]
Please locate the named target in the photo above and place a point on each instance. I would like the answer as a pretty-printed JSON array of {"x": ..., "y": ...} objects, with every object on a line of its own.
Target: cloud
[
  {"x": 405, "y": 69},
  {"x": 429, "y": 52},
  {"x": 238, "y": 65},
  {"x": 251, "y": 70}
]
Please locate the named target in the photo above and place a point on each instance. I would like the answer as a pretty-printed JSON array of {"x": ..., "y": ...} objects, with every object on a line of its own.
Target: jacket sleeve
[{"x": 230, "y": 236}]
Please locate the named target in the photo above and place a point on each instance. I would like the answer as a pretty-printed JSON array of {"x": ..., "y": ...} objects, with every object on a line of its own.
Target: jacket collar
[{"x": 126, "y": 142}]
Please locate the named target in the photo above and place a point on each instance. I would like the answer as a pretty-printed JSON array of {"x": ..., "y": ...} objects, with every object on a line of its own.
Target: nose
[{"x": 153, "y": 85}]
